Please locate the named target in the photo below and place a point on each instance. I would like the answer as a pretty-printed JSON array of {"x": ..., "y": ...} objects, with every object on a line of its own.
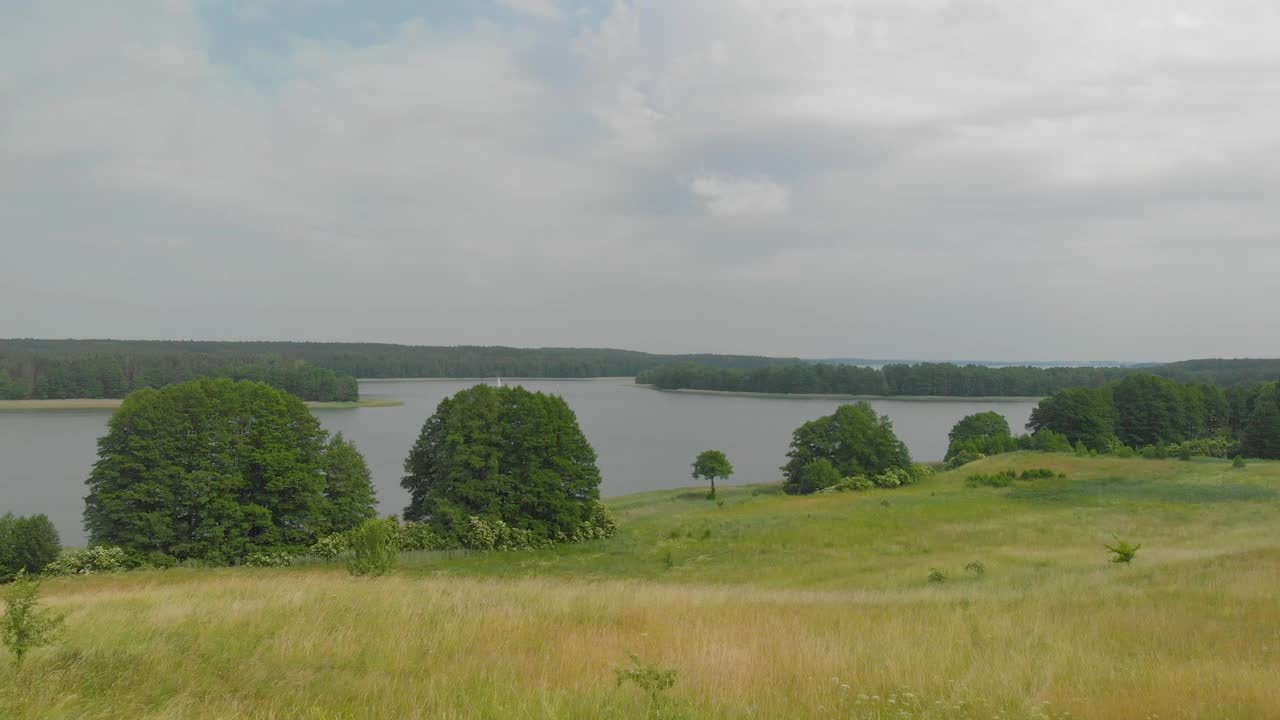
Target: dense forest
[
  {"x": 37, "y": 375},
  {"x": 1148, "y": 411},
  {"x": 315, "y": 371},
  {"x": 932, "y": 379},
  {"x": 942, "y": 379}
]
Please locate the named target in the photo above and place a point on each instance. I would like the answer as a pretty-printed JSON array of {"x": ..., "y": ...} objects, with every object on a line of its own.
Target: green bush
[
  {"x": 937, "y": 576},
  {"x": 1123, "y": 552},
  {"x": 373, "y": 547},
  {"x": 268, "y": 559},
  {"x": 157, "y": 559},
  {"x": 1037, "y": 474},
  {"x": 651, "y": 679},
  {"x": 816, "y": 475},
  {"x": 995, "y": 480},
  {"x": 1238, "y": 462},
  {"x": 25, "y": 625},
  {"x": 330, "y": 546},
  {"x": 964, "y": 457},
  {"x": 89, "y": 561},
  {"x": 26, "y": 544},
  {"x": 976, "y": 568}
]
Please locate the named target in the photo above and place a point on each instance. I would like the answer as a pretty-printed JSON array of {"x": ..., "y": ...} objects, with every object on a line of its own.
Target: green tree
[
  {"x": 1082, "y": 414},
  {"x": 349, "y": 497},
  {"x": 25, "y": 625},
  {"x": 26, "y": 544},
  {"x": 712, "y": 464},
  {"x": 816, "y": 475},
  {"x": 854, "y": 439},
  {"x": 502, "y": 454},
  {"x": 210, "y": 469},
  {"x": 1261, "y": 436},
  {"x": 987, "y": 433}
]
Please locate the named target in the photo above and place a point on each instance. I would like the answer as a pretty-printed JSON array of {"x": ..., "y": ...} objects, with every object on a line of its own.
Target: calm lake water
[{"x": 646, "y": 439}]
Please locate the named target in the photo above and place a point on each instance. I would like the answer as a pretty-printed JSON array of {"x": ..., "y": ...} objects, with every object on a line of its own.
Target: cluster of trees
[
  {"x": 378, "y": 360},
  {"x": 852, "y": 442},
  {"x": 26, "y": 544},
  {"x": 985, "y": 433},
  {"x": 502, "y": 455},
  {"x": 217, "y": 470},
  {"x": 42, "y": 375},
  {"x": 1145, "y": 410},
  {"x": 926, "y": 379},
  {"x": 941, "y": 379}
]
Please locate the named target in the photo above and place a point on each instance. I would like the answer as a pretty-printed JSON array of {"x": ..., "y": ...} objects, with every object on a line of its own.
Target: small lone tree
[
  {"x": 373, "y": 547},
  {"x": 712, "y": 464},
  {"x": 25, "y": 625},
  {"x": 1123, "y": 552}
]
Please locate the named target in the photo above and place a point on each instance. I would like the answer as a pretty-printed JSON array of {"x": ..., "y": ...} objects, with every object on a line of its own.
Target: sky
[{"x": 929, "y": 179}]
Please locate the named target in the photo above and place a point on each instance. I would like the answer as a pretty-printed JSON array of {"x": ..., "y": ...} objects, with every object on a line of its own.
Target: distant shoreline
[
  {"x": 513, "y": 378},
  {"x": 837, "y": 396},
  {"x": 113, "y": 403}
]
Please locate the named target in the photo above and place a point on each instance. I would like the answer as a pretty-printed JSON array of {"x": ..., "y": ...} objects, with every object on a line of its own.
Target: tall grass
[{"x": 791, "y": 608}]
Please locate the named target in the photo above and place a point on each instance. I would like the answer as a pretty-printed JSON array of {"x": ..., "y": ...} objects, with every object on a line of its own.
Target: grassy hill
[{"x": 768, "y": 606}]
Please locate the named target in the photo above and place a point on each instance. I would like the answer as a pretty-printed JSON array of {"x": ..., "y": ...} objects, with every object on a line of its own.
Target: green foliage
[
  {"x": 412, "y": 536},
  {"x": 373, "y": 547},
  {"x": 854, "y": 441},
  {"x": 26, "y": 544},
  {"x": 1261, "y": 431},
  {"x": 976, "y": 568},
  {"x": 1045, "y": 441},
  {"x": 1007, "y": 477},
  {"x": 502, "y": 454},
  {"x": 330, "y": 546},
  {"x": 936, "y": 576},
  {"x": 217, "y": 470},
  {"x": 89, "y": 561},
  {"x": 982, "y": 434},
  {"x": 25, "y": 625},
  {"x": 653, "y": 680},
  {"x": 712, "y": 464},
  {"x": 1238, "y": 462},
  {"x": 268, "y": 559},
  {"x": 1083, "y": 415},
  {"x": 963, "y": 457},
  {"x": 348, "y": 492},
  {"x": 1122, "y": 552}
]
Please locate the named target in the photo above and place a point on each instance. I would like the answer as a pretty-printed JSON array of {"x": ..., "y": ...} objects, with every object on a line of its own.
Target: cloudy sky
[{"x": 1060, "y": 179}]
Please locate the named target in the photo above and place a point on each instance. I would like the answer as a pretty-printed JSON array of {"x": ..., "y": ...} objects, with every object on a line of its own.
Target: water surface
[{"x": 645, "y": 439}]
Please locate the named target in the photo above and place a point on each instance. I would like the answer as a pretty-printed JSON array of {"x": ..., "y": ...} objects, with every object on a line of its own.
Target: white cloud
[
  {"x": 725, "y": 196},
  {"x": 527, "y": 183},
  {"x": 545, "y": 9}
]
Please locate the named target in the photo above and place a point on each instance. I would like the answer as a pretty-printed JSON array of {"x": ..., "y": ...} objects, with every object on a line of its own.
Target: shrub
[
  {"x": 1122, "y": 552},
  {"x": 996, "y": 480},
  {"x": 373, "y": 547},
  {"x": 816, "y": 475},
  {"x": 652, "y": 679},
  {"x": 157, "y": 559},
  {"x": 963, "y": 457},
  {"x": 1038, "y": 474},
  {"x": 892, "y": 478},
  {"x": 89, "y": 561},
  {"x": 268, "y": 559},
  {"x": 25, "y": 625},
  {"x": 26, "y": 544},
  {"x": 330, "y": 546},
  {"x": 850, "y": 484},
  {"x": 976, "y": 568},
  {"x": 937, "y": 576},
  {"x": 413, "y": 536},
  {"x": 1238, "y": 462},
  {"x": 1124, "y": 451},
  {"x": 1081, "y": 450},
  {"x": 599, "y": 525}
]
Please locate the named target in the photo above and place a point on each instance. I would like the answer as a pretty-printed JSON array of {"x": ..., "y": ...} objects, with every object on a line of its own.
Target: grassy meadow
[{"x": 768, "y": 606}]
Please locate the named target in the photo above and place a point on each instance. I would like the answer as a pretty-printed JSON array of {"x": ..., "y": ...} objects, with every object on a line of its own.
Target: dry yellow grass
[{"x": 1191, "y": 630}]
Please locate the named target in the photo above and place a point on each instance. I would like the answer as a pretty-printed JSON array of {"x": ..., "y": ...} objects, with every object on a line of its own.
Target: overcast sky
[{"x": 1059, "y": 179}]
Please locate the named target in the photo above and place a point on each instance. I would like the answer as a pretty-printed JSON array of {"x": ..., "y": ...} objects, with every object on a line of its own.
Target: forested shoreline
[{"x": 942, "y": 379}]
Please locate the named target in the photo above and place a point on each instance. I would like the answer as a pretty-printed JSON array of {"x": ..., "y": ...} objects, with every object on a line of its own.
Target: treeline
[
  {"x": 42, "y": 375},
  {"x": 927, "y": 379},
  {"x": 1145, "y": 410},
  {"x": 942, "y": 379},
  {"x": 377, "y": 360}
]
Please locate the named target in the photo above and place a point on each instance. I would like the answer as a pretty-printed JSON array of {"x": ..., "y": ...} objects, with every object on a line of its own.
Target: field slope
[{"x": 767, "y": 606}]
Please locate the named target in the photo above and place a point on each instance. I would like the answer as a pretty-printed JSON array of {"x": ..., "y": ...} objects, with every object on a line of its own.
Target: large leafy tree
[
  {"x": 987, "y": 433},
  {"x": 855, "y": 440},
  {"x": 1261, "y": 437},
  {"x": 348, "y": 495},
  {"x": 26, "y": 543},
  {"x": 1082, "y": 414},
  {"x": 712, "y": 464},
  {"x": 217, "y": 469},
  {"x": 502, "y": 454}
]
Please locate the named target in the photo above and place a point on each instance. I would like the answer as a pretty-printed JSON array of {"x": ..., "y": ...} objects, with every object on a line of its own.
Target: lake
[{"x": 645, "y": 439}]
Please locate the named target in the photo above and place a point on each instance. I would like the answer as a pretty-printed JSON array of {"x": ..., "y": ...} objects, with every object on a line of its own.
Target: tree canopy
[
  {"x": 26, "y": 543},
  {"x": 217, "y": 469},
  {"x": 712, "y": 464},
  {"x": 502, "y": 454},
  {"x": 854, "y": 440},
  {"x": 987, "y": 433}
]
